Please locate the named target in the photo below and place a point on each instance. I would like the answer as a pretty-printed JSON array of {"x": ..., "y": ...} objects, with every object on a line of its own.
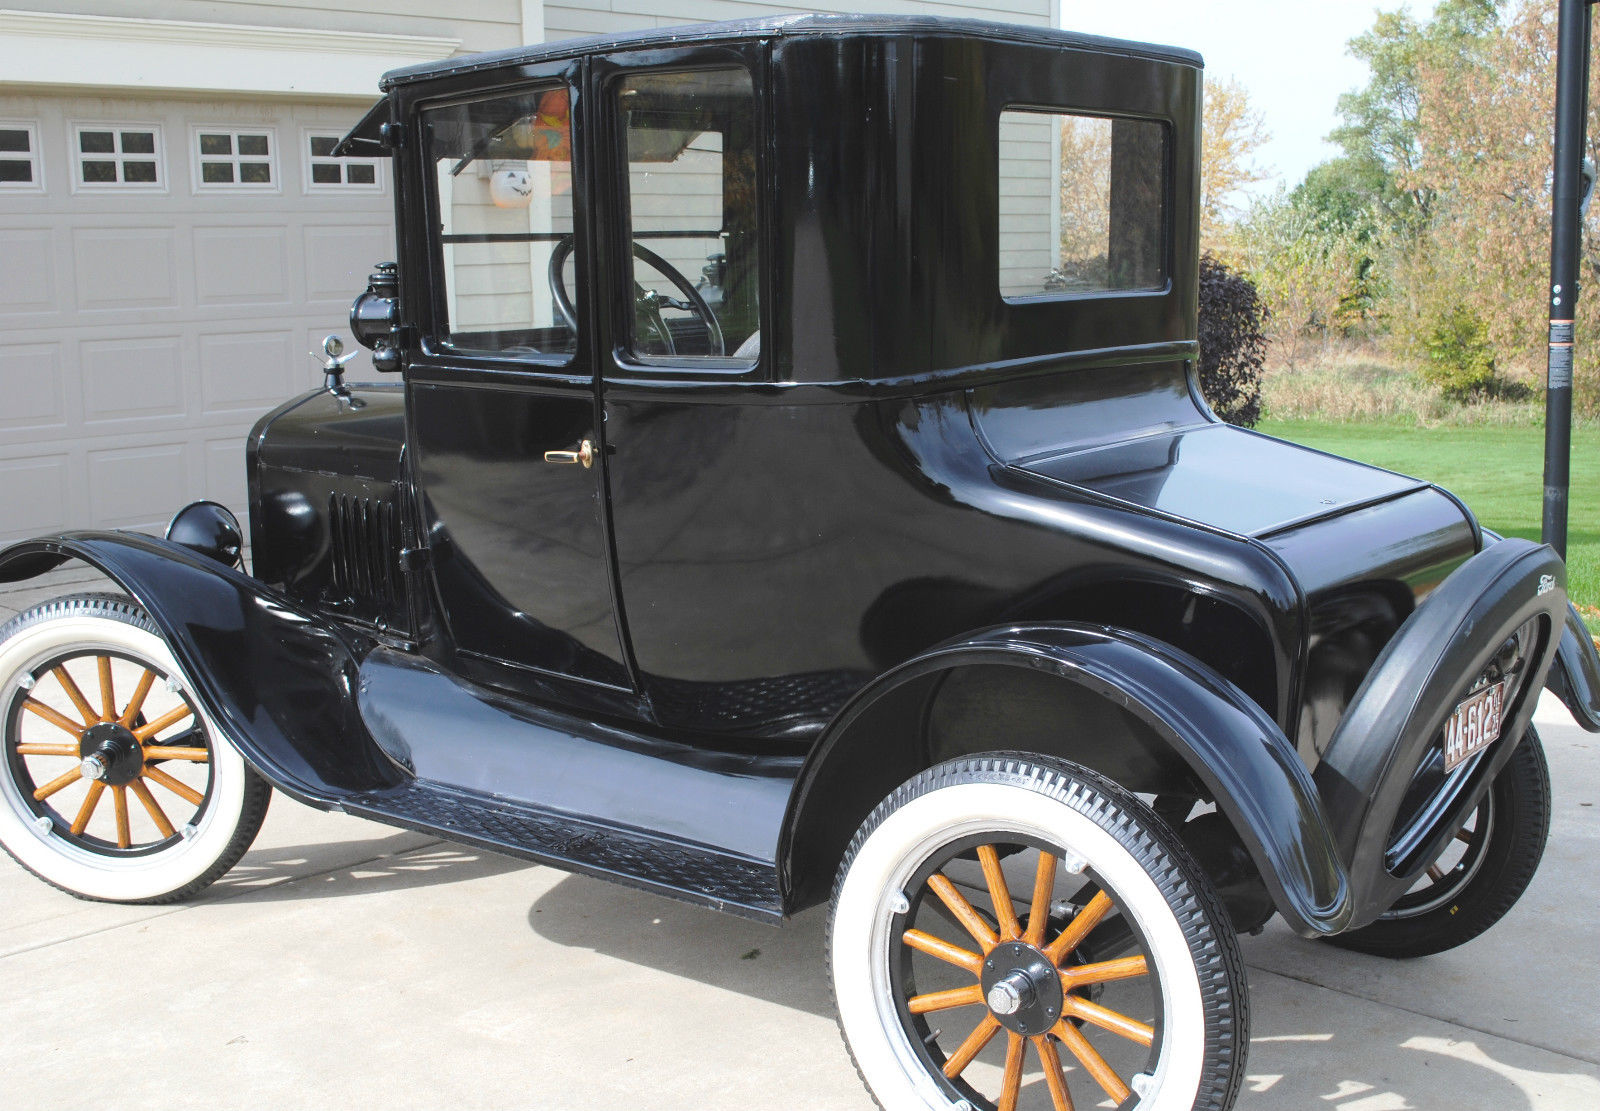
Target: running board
[{"x": 692, "y": 873}]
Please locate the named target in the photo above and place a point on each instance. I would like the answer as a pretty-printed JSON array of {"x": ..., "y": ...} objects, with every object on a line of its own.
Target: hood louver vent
[{"x": 364, "y": 537}]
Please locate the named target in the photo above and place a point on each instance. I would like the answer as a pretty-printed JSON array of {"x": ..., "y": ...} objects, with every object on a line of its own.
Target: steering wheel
[{"x": 647, "y": 299}]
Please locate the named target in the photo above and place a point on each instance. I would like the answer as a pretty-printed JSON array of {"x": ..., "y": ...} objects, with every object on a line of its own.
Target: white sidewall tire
[
  {"x": 887, "y": 859},
  {"x": 117, "y": 879}
]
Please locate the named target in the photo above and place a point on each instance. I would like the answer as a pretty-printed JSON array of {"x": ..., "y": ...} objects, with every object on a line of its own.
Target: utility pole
[{"x": 1566, "y": 239}]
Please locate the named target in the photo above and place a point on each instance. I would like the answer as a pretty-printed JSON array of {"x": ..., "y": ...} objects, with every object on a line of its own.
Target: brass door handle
[{"x": 584, "y": 455}]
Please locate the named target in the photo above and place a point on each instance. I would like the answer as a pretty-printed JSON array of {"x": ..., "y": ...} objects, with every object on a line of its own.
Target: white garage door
[{"x": 165, "y": 266}]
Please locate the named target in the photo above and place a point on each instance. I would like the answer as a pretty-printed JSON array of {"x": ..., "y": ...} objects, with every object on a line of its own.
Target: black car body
[{"x": 681, "y": 610}]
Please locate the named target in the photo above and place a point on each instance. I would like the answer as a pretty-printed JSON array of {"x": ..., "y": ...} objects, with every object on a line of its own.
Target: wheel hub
[
  {"x": 110, "y": 753},
  {"x": 1022, "y": 988}
]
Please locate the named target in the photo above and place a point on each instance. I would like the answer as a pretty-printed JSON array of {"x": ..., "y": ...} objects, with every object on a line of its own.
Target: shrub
[
  {"x": 1233, "y": 343},
  {"x": 1460, "y": 359}
]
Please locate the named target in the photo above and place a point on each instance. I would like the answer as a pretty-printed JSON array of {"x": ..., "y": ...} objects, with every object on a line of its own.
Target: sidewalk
[{"x": 346, "y": 964}]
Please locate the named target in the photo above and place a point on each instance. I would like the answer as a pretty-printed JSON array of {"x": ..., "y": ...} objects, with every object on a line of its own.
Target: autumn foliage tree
[
  {"x": 1232, "y": 132},
  {"x": 1444, "y": 180}
]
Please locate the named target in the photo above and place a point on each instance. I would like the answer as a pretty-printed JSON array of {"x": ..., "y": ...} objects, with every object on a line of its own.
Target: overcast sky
[{"x": 1290, "y": 56}]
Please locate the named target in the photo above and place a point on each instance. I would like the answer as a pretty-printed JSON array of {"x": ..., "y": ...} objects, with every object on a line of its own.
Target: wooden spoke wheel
[
  {"x": 1010, "y": 933},
  {"x": 115, "y": 785}
]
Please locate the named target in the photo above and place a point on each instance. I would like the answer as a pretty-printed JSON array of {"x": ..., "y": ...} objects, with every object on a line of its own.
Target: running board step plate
[{"x": 693, "y": 873}]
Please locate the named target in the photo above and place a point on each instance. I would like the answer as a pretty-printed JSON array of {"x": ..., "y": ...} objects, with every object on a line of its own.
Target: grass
[
  {"x": 1357, "y": 384},
  {"x": 1497, "y": 469}
]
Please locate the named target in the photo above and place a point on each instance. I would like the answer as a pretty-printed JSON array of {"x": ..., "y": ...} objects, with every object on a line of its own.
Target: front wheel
[
  {"x": 1005, "y": 916},
  {"x": 1482, "y": 873},
  {"x": 114, "y": 785}
]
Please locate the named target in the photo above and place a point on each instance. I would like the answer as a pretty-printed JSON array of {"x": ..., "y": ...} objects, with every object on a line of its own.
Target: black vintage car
[{"x": 795, "y": 488}]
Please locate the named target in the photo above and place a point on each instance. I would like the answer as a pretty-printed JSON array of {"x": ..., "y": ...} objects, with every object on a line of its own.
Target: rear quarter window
[{"x": 1082, "y": 204}]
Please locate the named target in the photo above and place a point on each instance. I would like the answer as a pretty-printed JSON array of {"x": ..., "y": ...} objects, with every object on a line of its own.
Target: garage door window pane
[
  {"x": 330, "y": 174},
  {"x": 235, "y": 159},
  {"x": 19, "y": 157},
  {"x": 118, "y": 157},
  {"x": 1082, "y": 204},
  {"x": 501, "y": 173}
]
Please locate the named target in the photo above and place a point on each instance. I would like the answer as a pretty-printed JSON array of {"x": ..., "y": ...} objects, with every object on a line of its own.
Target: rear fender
[
  {"x": 1227, "y": 741},
  {"x": 279, "y": 680},
  {"x": 1575, "y": 676},
  {"x": 1395, "y": 721}
]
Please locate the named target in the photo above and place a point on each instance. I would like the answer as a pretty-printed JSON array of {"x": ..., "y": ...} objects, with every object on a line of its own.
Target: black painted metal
[
  {"x": 1575, "y": 676},
  {"x": 1396, "y": 718},
  {"x": 1566, "y": 240},
  {"x": 277, "y": 677},
  {"x": 636, "y": 857},
  {"x": 923, "y": 508}
]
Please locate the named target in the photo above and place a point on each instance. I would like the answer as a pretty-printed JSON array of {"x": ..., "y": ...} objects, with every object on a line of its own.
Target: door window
[
  {"x": 501, "y": 171},
  {"x": 690, "y": 143}
]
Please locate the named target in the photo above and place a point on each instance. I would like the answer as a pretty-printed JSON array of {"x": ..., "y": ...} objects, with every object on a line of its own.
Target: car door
[{"x": 501, "y": 396}]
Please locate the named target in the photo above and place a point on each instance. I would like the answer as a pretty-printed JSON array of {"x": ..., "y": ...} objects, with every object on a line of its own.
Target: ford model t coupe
[{"x": 795, "y": 488}]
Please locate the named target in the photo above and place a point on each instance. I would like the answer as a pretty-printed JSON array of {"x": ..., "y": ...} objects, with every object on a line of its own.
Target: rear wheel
[
  {"x": 1009, "y": 932},
  {"x": 114, "y": 785},
  {"x": 1482, "y": 873}
]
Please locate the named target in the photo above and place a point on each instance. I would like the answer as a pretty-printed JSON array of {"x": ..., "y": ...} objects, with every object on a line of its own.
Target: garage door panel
[
  {"x": 142, "y": 333},
  {"x": 138, "y": 487},
  {"x": 240, "y": 266},
  {"x": 225, "y": 478},
  {"x": 338, "y": 260},
  {"x": 28, "y": 275},
  {"x": 31, "y": 384},
  {"x": 129, "y": 378},
  {"x": 125, "y": 268},
  {"x": 245, "y": 370},
  {"x": 35, "y": 495}
]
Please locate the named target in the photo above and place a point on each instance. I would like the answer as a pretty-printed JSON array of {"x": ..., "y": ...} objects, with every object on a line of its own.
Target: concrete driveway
[{"x": 348, "y": 964}]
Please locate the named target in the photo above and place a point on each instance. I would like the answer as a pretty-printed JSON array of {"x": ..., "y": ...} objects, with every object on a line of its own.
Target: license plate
[{"x": 1474, "y": 726}]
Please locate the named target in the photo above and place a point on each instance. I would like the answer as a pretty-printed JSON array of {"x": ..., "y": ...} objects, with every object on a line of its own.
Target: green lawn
[{"x": 1498, "y": 471}]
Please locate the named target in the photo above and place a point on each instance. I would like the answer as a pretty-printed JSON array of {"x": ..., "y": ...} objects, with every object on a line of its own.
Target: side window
[
  {"x": 1082, "y": 204},
  {"x": 502, "y": 181},
  {"x": 691, "y": 149}
]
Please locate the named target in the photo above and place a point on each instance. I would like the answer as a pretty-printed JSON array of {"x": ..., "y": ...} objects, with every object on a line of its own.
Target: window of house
[
  {"x": 235, "y": 159},
  {"x": 19, "y": 157},
  {"x": 501, "y": 175},
  {"x": 690, "y": 143},
  {"x": 1083, "y": 204},
  {"x": 325, "y": 172},
  {"x": 117, "y": 156}
]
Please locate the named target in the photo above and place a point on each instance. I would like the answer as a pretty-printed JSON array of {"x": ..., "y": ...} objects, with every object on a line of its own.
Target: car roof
[{"x": 786, "y": 26}]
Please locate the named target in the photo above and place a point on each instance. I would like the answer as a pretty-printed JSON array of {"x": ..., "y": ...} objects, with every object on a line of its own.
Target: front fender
[
  {"x": 1232, "y": 746},
  {"x": 279, "y": 680}
]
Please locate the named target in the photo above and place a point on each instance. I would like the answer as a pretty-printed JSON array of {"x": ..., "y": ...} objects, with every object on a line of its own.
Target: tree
[
  {"x": 1381, "y": 133},
  {"x": 1309, "y": 267},
  {"x": 1231, "y": 134}
]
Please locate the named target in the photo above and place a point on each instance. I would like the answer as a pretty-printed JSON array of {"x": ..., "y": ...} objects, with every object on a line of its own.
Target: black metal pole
[{"x": 1566, "y": 235}]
